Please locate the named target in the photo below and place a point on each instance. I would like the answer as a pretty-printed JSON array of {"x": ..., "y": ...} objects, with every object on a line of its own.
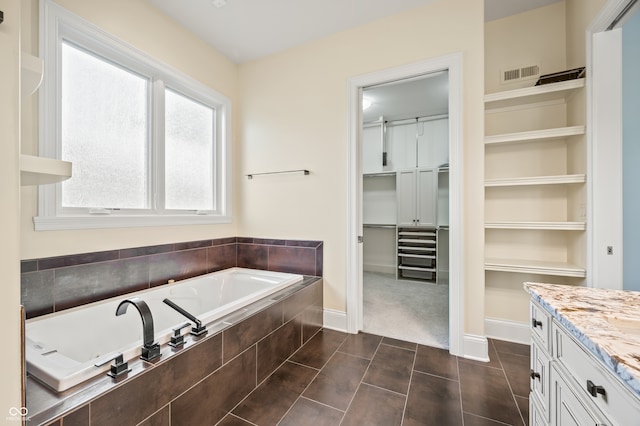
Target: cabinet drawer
[
  {"x": 541, "y": 326},
  {"x": 594, "y": 382},
  {"x": 539, "y": 379}
]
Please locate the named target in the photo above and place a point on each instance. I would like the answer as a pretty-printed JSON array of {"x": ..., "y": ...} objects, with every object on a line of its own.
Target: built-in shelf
[
  {"x": 31, "y": 71},
  {"x": 535, "y": 94},
  {"x": 379, "y": 225},
  {"x": 535, "y": 135},
  {"x": 562, "y": 269},
  {"x": 381, "y": 174},
  {"x": 536, "y": 180},
  {"x": 41, "y": 171},
  {"x": 550, "y": 226}
]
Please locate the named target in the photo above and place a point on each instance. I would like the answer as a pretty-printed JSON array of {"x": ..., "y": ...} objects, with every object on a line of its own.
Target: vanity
[{"x": 585, "y": 356}]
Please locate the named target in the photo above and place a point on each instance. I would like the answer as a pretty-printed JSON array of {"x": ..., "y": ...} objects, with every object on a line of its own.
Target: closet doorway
[
  {"x": 404, "y": 273},
  {"x": 405, "y": 209}
]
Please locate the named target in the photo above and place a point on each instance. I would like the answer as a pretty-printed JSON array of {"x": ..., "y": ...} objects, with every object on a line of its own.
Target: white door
[
  {"x": 406, "y": 192},
  {"x": 427, "y": 187},
  {"x": 372, "y": 149}
]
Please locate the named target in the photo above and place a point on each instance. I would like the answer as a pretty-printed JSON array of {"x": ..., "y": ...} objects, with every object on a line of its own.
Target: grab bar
[{"x": 196, "y": 330}]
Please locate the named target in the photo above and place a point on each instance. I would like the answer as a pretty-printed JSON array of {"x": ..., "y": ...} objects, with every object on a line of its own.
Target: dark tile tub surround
[
  {"x": 199, "y": 384},
  {"x": 56, "y": 283}
]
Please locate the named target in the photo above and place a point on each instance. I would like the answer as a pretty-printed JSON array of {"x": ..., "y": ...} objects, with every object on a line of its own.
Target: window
[{"x": 149, "y": 146}]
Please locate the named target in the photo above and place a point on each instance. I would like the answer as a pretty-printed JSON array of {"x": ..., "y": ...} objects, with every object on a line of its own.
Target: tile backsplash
[{"x": 56, "y": 283}]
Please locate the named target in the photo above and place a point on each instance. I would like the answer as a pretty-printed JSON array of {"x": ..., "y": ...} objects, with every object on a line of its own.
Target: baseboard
[
  {"x": 510, "y": 331},
  {"x": 334, "y": 320},
  {"x": 475, "y": 347}
]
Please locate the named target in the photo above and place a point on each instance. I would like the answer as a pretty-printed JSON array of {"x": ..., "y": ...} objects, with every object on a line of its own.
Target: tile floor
[{"x": 364, "y": 379}]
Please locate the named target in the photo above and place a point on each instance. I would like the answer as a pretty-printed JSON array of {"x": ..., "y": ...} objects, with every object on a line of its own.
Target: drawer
[
  {"x": 539, "y": 380},
  {"x": 594, "y": 382},
  {"x": 541, "y": 325}
]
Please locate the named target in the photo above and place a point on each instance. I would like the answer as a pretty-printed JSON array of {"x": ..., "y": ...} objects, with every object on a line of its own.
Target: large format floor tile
[{"x": 364, "y": 379}]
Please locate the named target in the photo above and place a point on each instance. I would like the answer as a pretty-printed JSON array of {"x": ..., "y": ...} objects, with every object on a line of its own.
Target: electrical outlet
[{"x": 610, "y": 250}]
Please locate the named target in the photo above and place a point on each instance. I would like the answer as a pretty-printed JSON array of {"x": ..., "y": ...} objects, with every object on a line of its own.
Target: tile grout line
[
  {"x": 406, "y": 399},
  {"x": 306, "y": 387},
  {"x": 513, "y": 397},
  {"x": 361, "y": 380},
  {"x": 460, "y": 388}
]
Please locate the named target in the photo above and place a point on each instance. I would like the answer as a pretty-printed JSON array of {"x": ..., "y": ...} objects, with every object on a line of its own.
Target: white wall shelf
[
  {"x": 550, "y": 226},
  {"x": 518, "y": 155},
  {"x": 41, "y": 171},
  {"x": 537, "y": 180},
  {"x": 31, "y": 71},
  {"x": 535, "y": 135},
  {"x": 561, "y": 269},
  {"x": 535, "y": 94}
]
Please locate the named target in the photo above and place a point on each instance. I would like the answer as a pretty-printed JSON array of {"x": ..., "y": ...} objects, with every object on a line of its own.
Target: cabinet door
[
  {"x": 401, "y": 144},
  {"x": 433, "y": 143},
  {"x": 406, "y": 192},
  {"x": 372, "y": 149},
  {"x": 539, "y": 379},
  {"x": 427, "y": 197},
  {"x": 569, "y": 410}
]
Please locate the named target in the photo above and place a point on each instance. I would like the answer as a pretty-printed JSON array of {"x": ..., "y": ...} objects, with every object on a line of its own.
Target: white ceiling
[
  {"x": 422, "y": 97},
  {"x": 245, "y": 30}
]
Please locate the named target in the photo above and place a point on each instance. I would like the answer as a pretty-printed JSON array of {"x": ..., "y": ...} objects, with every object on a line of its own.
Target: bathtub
[{"x": 61, "y": 349}]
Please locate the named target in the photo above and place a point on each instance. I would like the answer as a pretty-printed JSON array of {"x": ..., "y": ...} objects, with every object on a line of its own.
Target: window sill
[{"x": 45, "y": 223}]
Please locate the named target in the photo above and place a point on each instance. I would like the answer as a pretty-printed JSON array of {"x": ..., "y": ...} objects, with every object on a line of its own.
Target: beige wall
[
  {"x": 9, "y": 214},
  {"x": 294, "y": 115},
  {"x": 151, "y": 31},
  {"x": 536, "y": 37},
  {"x": 580, "y": 14}
]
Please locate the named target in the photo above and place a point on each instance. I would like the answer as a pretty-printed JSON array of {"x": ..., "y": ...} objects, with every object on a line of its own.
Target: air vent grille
[{"x": 519, "y": 74}]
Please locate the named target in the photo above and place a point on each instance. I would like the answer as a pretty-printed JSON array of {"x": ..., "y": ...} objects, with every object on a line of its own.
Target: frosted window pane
[
  {"x": 104, "y": 133},
  {"x": 189, "y": 153}
]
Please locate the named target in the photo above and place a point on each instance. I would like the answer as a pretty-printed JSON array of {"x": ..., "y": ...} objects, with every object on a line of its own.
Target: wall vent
[{"x": 519, "y": 74}]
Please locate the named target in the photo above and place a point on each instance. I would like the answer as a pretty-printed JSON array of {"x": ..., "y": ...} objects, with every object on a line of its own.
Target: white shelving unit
[
  {"x": 417, "y": 253},
  {"x": 37, "y": 170},
  {"x": 535, "y": 182}
]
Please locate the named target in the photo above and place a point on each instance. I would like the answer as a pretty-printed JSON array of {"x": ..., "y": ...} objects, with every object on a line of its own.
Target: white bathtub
[{"x": 62, "y": 348}]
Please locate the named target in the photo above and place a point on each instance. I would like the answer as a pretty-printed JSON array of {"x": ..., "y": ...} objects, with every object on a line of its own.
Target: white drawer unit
[
  {"x": 569, "y": 385},
  {"x": 593, "y": 382}
]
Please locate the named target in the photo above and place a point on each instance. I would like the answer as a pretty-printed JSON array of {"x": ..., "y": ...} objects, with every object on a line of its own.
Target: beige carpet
[{"x": 408, "y": 310}]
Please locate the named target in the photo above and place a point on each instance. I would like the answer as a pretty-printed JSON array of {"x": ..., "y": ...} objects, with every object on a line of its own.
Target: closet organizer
[{"x": 406, "y": 197}]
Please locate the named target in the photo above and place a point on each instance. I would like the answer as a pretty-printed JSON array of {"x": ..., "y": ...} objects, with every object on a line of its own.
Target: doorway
[
  {"x": 405, "y": 209},
  {"x": 613, "y": 93},
  {"x": 451, "y": 66}
]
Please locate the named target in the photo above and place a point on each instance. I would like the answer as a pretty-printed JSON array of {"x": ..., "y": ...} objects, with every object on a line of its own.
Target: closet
[{"x": 406, "y": 196}]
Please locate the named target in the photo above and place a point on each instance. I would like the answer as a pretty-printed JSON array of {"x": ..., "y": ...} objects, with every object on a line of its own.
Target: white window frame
[{"x": 56, "y": 24}]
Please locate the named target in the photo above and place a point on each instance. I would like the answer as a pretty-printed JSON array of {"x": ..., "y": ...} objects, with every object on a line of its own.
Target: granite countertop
[{"x": 599, "y": 318}]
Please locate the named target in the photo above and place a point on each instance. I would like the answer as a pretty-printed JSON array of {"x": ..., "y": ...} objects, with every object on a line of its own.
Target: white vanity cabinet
[
  {"x": 417, "y": 197},
  {"x": 569, "y": 385}
]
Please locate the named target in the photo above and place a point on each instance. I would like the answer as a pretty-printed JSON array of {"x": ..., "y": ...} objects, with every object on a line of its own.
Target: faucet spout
[{"x": 150, "y": 349}]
